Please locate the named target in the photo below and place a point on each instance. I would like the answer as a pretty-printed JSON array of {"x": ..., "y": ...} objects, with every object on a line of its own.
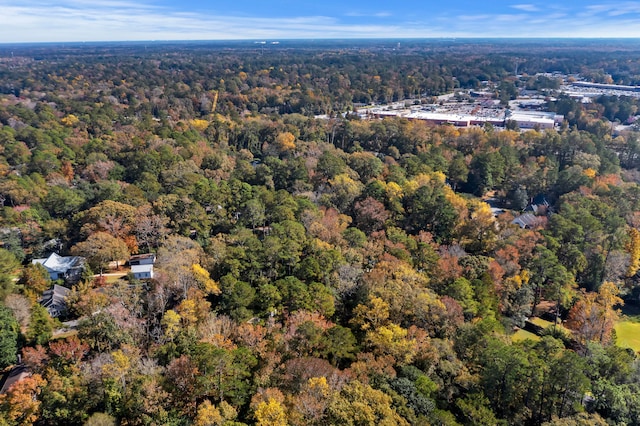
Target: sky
[{"x": 125, "y": 20}]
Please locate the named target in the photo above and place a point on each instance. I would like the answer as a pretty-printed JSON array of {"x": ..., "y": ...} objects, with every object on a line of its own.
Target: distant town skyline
[{"x": 122, "y": 20}]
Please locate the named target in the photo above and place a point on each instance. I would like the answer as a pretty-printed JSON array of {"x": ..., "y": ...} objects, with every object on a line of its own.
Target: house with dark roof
[
  {"x": 143, "y": 259},
  {"x": 538, "y": 205},
  {"x": 16, "y": 374},
  {"x": 54, "y": 300},
  {"x": 68, "y": 268}
]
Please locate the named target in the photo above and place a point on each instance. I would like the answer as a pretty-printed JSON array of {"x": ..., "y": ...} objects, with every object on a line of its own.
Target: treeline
[{"x": 309, "y": 271}]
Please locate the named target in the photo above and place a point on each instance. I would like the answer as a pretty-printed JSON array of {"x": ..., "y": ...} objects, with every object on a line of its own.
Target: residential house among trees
[
  {"x": 54, "y": 300},
  {"x": 142, "y": 265},
  {"x": 527, "y": 221},
  {"x": 68, "y": 268},
  {"x": 13, "y": 376}
]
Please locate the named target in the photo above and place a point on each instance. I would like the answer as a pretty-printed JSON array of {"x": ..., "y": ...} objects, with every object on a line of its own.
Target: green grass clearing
[
  {"x": 540, "y": 322},
  {"x": 64, "y": 335},
  {"x": 546, "y": 324},
  {"x": 628, "y": 333},
  {"x": 522, "y": 335},
  {"x": 112, "y": 277}
]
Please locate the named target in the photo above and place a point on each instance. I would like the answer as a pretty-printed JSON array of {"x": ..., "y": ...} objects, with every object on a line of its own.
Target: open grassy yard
[
  {"x": 64, "y": 334},
  {"x": 628, "y": 333},
  {"x": 112, "y": 278},
  {"x": 540, "y": 322},
  {"x": 546, "y": 324},
  {"x": 521, "y": 335}
]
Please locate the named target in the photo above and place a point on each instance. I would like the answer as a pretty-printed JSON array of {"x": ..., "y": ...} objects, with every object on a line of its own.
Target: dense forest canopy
[{"x": 313, "y": 267}]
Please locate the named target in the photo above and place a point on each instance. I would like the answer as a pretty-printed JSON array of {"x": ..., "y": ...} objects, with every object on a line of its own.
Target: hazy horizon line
[{"x": 327, "y": 39}]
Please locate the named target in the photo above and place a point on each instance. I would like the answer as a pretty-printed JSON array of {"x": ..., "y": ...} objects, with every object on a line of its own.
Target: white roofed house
[
  {"x": 142, "y": 265},
  {"x": 54, "y": 300},
  {"x": 68, "y": 268}
]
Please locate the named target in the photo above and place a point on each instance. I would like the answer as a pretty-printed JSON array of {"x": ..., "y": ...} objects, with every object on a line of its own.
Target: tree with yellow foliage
[
  {"x": 371, "y": 315},
  {"x": 344, "y": 190},
  {"x": 199, "y": 124},
  {"x": 207, "y": 284},
  {"x": 392, "y": 340},
  {"x": 479, "y": 231},
  {"x": 590, "y": 173},
  {"x": 194, "y": 309},
  {"x": 171, "y": 324},
  {"x": 208, "y": 415},
  {"x": 270, "y": 413},
  {"x": 633, "y": 248},
  {"x": 118, "y": 374},
  {"x": 360, "y": 404},
  {"x": 70, "y": 120},
  {"x": 286, "y": 142}
]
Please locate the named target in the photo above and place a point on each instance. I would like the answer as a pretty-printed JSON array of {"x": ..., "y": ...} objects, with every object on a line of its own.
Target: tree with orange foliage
[
  {"x": 20, "y": 405},
  {"x": 67, "y": 170},
  {"x": 593, "y": 316}
]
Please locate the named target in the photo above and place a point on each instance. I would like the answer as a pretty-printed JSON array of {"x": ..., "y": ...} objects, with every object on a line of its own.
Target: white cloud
[
  {"x": 369, "y": 15},
  {"x": 526, "y": 7},
  {"x": 471, "y": 18},
  {"x": 612, "y": 9}
]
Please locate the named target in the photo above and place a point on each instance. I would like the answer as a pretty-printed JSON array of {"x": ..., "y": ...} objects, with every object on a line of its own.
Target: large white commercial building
[{"x": 525, "y": 119}]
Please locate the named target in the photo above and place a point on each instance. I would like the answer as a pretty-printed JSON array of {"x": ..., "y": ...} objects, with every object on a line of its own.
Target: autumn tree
[
  {"x": 112, "y": 217},
  {"x": 593, "y": 316},
  {"x": 208, "y": 415},
  {"x": 20, "y": 405},
  {"x": 633, "y": 247},
  {"x": 21, "y": 307},
  {"x": 35, "y": 280},
  {"x": 286, "y": 142},
  {"x": 309, "y": 406},
  {"x": 101, "y": 248},
  {"x": 149, "y": 228},
  {"x": 101, "y": 419},
  {"x": 370, "y": 215},
  {"x": 479, "y": 232},
  {"x": 343, "y": 191},
  {"x": 359, "y": 404},
  {"x": 269, "y": 413}
]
